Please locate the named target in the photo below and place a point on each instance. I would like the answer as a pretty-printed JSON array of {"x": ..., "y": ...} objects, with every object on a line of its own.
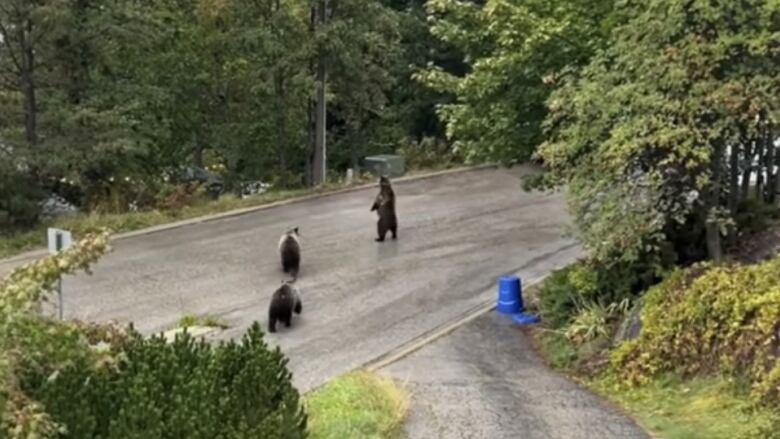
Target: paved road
[
  {"x": 484, "y": 381},
  {"x": 360, "y": 298}
]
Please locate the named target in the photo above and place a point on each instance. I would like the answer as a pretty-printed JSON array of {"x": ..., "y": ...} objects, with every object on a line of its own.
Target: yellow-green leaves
[
  {"x": 25, "y": 286},
  {"x": 724, "y": 320},
  {"x": 28, "y": 338},
  {"x": 643, "y": 135}
]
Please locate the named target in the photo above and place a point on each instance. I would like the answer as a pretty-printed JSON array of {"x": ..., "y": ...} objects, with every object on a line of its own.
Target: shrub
[
  {"x": 184, "y": 389},
  {"x": 177, "y": 197},
  {"x": 705, "y": 319},
  {"x": 30, "y": 344},
  {"x": 557, "y": 298},
  {"x": 594, "y": 321},
  {"x": 568, "y": 290},
  {"x": 429, "y": 152},
  {"x": 77, "y": 380}
]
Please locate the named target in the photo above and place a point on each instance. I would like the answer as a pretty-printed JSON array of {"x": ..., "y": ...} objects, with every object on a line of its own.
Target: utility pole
[{"x": 319, "y": 171}]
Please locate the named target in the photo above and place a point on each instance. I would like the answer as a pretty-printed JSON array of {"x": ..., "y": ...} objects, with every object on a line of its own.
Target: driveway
[{"x": 484, "y": 381}]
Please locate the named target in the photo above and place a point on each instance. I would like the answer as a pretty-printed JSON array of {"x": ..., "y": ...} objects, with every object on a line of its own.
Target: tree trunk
[
  {"x": 733, "y": 188},
  {"x": 769, "y": 191},
  {"x": 281, "y": 124},
  {"x": 319, "y": 173},
  {"x": 27, "y": 77},
  {"x": 760, "y": 160},
  {"x": 772, "y": 134},
  {"x": 197, "y": 150},
  {"x": 747, "y": 167},
  {"x": 712, "y": 228},
  {"x": 714, "y": 244},
  {"x": 310, "y": 116},
  {"x": 309, "y": 173}
]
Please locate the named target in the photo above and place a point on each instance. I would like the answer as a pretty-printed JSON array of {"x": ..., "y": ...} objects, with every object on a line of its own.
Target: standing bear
[{"x": 384, "y": 204}]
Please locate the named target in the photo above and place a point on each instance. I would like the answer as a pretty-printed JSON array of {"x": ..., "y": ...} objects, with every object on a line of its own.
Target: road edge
[
  {"x": 34, "y": 254},
  {"x": 438, "y": 332}
]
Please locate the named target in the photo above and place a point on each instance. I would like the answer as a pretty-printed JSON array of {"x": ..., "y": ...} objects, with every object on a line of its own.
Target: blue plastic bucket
[{"x": 510, "y": 295}]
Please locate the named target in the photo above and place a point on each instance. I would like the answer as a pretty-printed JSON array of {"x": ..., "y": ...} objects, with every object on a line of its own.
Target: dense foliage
[
  {"x": 26, "y": 339},
  {"x": 659, "y": 135},
  {"x": 104, "y": 102},
  {"x": 515, "y": 51},
  {"x": 71, "y": 380},
  {"x": 711, "y": 320},
  {"x": 155, "y": 389},
  {"x": 585, "y": 284}
]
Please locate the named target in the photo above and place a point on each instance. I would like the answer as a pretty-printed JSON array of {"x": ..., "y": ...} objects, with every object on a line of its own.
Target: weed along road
[{"x": 361, "y": 298}]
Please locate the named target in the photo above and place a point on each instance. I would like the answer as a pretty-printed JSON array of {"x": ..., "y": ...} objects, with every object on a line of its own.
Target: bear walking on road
[
  {"x": 290, "y": 252},
  {"x": 284, "y": 302}
]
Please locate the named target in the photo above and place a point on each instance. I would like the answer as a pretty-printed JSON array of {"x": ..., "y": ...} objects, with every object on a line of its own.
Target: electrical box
[{"x": 390, "y": 165}]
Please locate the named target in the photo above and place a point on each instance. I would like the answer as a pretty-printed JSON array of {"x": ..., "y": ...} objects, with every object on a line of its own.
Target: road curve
[{"x": 360, "y": 298}]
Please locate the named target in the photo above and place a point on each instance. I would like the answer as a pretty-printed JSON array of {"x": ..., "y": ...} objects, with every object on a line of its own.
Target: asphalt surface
[
  {"x": 485, "y": 381},
  {"x": 361, "y": 298}
]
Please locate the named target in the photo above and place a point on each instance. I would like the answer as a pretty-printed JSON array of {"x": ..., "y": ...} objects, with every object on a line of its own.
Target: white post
[{"x": 59, "y": 240}]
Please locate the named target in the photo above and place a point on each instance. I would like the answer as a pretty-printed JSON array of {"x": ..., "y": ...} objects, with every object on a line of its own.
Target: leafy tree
[
  {"x": 360, "y": 45},
  {"x": 515, "y": 50},
  {"x": 101, "y": 100},
  {"x": 57, "y": 123},
  {"x": 649, "y": 134}
]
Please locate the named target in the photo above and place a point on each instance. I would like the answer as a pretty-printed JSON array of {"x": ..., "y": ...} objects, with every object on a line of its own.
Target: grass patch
[
  {"x": 556, "y": 349},
  {"x": 357, "y": 405},
  {"x": 706, "y": 408},
  {"x": 190, "y": 320}
]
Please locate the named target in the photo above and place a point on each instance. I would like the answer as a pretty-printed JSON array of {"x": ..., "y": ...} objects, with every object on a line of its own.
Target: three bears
[{"x": 286, "y": 299}]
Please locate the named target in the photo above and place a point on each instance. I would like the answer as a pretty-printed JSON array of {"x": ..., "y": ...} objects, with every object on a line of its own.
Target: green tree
[
  {"x": 516, "y": 51},
  {"x": 100, "y": 100},
  {"x": 649, "y": 134},
  {"x": 359, "y": 43},
  {"x": 57, "y": 121},
  {"x": 276, "y": 84}
]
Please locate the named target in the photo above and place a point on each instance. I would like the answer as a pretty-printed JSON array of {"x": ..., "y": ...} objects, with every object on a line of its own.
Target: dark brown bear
[
  {"x": 290, "y": 252},
  {"x": 284, "y": 301},
  {"x": 384, "y": 204}
]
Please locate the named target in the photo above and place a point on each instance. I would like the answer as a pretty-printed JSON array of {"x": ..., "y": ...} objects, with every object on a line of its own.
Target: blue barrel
[{"x": 510, "y": 295}]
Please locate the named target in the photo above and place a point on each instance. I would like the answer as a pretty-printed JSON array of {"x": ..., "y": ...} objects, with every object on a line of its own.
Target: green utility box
[{"x": 386, "y": 164}]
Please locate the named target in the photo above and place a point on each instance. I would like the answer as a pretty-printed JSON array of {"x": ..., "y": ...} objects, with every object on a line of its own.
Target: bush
[
  {"x": 557, "y": 297},
  {"x": 428, "y": 153},
  {"x": 184, "y": 389},
  {"x": 710, "y": 320},
  {"x": 76, "y": 380},
  {"x": 31, "y": 344},
  {"x": 595, "y": 321},
  {"x": 569, "y": 290}
]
